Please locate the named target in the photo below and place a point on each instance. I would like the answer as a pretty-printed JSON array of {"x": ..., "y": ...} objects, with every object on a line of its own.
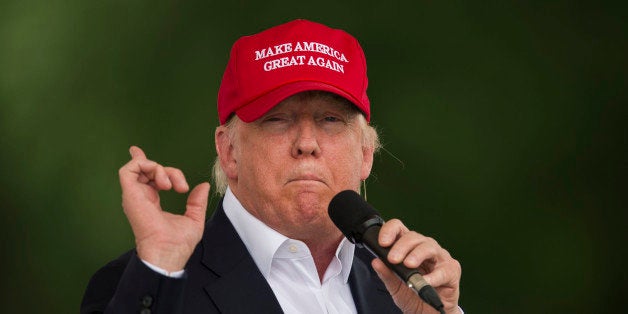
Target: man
[{"x": 293, "y": 133}]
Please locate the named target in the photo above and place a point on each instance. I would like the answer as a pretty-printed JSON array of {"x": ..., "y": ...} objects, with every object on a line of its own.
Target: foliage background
[{"x": 504, "y": 122}]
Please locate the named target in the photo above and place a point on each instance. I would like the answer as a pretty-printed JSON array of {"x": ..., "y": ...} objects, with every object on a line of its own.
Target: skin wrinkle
[
  {"x": 370, "y": 138},
  {"x": 287, "y": 165}
]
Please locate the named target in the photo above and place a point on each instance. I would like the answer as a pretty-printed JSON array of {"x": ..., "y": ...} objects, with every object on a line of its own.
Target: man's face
[{"x": 287, "y": 165}]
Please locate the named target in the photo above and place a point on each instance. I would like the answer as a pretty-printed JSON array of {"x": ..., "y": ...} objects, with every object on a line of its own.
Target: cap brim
[{"x": 260, "y": 106}]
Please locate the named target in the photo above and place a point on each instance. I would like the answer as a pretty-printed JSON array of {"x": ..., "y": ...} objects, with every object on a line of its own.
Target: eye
[
  {"x": 275, "y": 123},
  {"x": 332, "y": 123},
  {"x": 273, "y": 119},
  {"x": 276, "y": 118},
  {"x": 333, "y": 117}
]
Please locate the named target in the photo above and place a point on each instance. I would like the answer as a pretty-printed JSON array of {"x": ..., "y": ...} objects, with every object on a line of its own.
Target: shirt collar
[
  {"x": 262, "y": 242},
  {"x": 345, "y": 254}
]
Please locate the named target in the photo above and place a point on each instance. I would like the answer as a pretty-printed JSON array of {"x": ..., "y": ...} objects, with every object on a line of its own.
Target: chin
[{"x": 309, "y": 206}]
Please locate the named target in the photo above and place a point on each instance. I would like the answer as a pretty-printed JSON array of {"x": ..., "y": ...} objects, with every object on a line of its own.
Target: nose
[{"x": 305, "y": 142}]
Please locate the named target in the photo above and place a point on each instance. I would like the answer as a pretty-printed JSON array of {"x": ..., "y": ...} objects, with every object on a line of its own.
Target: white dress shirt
[{"x": 289, "y": 268}]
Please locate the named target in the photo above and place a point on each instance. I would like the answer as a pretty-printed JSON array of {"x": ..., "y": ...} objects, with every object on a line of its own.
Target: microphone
[{"x": 360, "y": 223}]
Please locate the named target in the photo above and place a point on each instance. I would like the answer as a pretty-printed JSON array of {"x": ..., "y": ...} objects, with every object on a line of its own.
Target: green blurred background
[{"x": 504, "y": 125}]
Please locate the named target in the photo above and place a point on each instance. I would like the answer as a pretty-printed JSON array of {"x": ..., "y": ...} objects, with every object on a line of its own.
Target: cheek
[
  {"x": 260, "y": 162},
  {"x": 348, "y": 162}
]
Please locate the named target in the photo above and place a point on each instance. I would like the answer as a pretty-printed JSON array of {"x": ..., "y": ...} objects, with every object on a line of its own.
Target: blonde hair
[{"x": 370, "y": 138}]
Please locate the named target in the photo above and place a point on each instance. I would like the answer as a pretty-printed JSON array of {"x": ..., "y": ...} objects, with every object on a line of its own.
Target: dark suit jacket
[{"x": 220, "y": 277}]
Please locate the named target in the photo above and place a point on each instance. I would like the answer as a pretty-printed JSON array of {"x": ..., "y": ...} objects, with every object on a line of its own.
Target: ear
[
  {"x": 367, "y": 162},
  {"x": 225, "y": 151}
]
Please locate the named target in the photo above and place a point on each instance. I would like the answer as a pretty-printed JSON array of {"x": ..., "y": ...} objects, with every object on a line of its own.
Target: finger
[
  {"x": 156, "y": 174},
  {"x": 148, "y": 169},
  {"x": 404, "y": 246},
  {"x": 418, "y": 250},
  {"x": 197, "y": 203},
  {"x": 144, "y": 171},
  {"x": 428, "y": 251},
  {"x": 390, "y": 231},
  {"x": 142, "y": 178},
  {"x": 162, "y": 181},
  {"x": 177, "y": 179},
  {"x": 444, "y": 274},
  {"x": 139, "y": 167},
  {"x": 137, "y": 153},
  {"x": 137, "y": 170}
]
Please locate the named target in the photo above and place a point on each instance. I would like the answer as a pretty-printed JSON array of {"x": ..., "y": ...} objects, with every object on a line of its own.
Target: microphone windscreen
[{"x": 348, "y": 210}]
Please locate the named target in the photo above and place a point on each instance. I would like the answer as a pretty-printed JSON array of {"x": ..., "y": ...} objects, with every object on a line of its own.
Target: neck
[{"x": 322, "y": 253}]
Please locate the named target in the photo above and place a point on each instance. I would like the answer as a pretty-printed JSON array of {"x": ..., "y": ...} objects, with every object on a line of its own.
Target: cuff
[{"x": 174, "y": 274}]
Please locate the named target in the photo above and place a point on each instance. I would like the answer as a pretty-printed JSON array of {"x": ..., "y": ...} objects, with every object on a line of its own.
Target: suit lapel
[
  {"x": 369, "y": 293},
  {"x": 240, "y": 286}
]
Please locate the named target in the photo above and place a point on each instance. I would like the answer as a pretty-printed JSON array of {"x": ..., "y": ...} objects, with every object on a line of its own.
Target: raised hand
[
  {"x": 163, "y": 239},
  {"x": 414, "y": 250}
]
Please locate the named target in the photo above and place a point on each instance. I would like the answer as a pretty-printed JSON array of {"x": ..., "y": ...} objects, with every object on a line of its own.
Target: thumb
[
  {"x": 391, "y": 281},
  {"x": 196, "y": 206},
  {"x": 404, "y": 298}
]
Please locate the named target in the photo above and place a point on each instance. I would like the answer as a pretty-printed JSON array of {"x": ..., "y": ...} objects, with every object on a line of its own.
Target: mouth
[{"x": 305, "y": 179}]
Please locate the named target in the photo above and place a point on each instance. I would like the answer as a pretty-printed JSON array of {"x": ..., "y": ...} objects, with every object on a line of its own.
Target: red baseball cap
[{"x": 294, "y": 57}]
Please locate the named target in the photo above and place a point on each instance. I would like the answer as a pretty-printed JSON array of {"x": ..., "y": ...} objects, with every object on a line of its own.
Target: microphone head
[{"x": 350, "y": 213}]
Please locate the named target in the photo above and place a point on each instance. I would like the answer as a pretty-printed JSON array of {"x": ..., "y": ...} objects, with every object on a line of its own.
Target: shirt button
[
  {"x": 147, "y": 301},
  {"x": 293, "y": 248}
]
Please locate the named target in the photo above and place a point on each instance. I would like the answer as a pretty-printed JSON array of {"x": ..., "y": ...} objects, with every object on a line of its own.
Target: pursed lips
[{"x": 306, "y": 177}]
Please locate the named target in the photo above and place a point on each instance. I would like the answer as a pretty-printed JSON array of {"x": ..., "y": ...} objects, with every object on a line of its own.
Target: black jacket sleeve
[{"x": 127, "y": 285}]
